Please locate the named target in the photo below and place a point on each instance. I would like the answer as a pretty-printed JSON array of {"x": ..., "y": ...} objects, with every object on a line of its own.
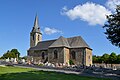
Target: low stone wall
[{"x": 110, "y": 66}]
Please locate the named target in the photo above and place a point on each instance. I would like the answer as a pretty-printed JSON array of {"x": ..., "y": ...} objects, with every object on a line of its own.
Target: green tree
[
  {"x": 105, "y": 58},
  {"x": 94, "y": 59},
  {"x": 113, "y": 27},
  {"x": 16, "y": 52},
  {"x": 118, "y": 59},
  {"x": 113, "y": 58},
  {"x": 9, "y": 55}
]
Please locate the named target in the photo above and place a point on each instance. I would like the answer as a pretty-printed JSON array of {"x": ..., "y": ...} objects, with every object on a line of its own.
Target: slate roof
[
  {"x": 42, "y": 45},
  {"x": 77, "y": 41},
  {"x": 72, "y": 42},
  {"x": 60, "y": 42}
]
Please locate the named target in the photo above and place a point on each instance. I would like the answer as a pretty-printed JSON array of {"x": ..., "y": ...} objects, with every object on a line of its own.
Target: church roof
[
  {"x": 43, "y": 45},
  {"x": 77, "y": 41},
  {"x": 72, "y": 42},
  {"x": 60, "y": 42}
]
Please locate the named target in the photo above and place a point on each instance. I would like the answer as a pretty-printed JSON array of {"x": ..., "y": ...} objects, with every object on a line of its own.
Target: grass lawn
[{"x": 16, "y": 73}]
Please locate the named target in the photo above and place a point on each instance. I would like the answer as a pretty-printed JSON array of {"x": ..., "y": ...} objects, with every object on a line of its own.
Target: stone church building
[{"x": 61, "y": 50}]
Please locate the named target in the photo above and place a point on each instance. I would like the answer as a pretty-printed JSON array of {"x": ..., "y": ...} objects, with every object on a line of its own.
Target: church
[{"x": 61, "y": 50}]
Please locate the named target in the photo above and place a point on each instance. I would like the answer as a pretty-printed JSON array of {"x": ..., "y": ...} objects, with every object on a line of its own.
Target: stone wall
[
  {"x": 88, "y": 59},
  {"x": 78, "y": 55},
  {"x": 110, "y": 66},
  {"x": 60, "y": 58},
  {"x": 82, "y": 55},
  {"x": 37, "y": 55},
  {"x": 66, "y": 56}
]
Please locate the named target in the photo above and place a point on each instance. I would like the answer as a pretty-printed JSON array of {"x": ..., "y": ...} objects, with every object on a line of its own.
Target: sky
[{"x": 66, "y": 18}]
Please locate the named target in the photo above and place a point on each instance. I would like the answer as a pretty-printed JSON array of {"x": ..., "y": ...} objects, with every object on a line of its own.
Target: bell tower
[{"x": 35, "y": 34}]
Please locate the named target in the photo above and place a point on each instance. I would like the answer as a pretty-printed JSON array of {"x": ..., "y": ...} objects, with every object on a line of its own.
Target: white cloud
[
  {"x": 50, "y": 31},
  {"x": 65, "y": 8},
  {"x": 90, "y": 12},
  {"x": 111, "y": 4}
]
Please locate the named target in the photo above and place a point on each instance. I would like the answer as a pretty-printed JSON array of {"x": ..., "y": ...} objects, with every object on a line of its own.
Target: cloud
[
  {"x": 50, "y": 31},
  {"x": 90, "y": 12},
  {"x": 111, "y": 4}
]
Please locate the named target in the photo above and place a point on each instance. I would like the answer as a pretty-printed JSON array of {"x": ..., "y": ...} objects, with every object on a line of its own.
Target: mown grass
[{"x": 16, "y": 73}]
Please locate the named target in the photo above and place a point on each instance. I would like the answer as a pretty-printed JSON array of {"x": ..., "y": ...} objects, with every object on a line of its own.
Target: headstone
[
  {"x": 7, "y": 60},
  {"x": 15, "y": 60},
  {"x": 23, "y": 60}
]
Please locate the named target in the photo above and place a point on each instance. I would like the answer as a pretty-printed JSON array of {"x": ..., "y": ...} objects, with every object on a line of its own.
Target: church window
[
  {"x": 43, "y": 55},
  {"x": 73, "y": 55},
  {"x": 33, "y": 37},
  {"x": 55, "y": 54}
]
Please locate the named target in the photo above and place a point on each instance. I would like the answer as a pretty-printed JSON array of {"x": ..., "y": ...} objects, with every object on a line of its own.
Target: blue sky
[{"x": 56, "y": 18}]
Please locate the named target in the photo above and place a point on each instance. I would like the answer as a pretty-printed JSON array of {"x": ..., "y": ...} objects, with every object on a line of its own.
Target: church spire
[
  {"x": 36, "y": 27},
  {"x": 36, "y": 24},
  {"x": 35, "y": 34}
]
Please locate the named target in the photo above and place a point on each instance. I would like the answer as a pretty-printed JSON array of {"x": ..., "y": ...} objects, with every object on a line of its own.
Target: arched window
[
  {"x": 73, "y": 55},
  {"x": 43, "y": 55},
  {"x": 55, "y": 54}
]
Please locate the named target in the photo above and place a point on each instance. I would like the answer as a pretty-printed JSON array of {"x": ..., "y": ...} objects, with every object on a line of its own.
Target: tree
[
  {"x": 118, "y": 59},
  {"x": 11, "y": 54},
  {"x": 113, "y": 27},
  {"x": 94, "y": 59},
  {"x": 113, "y": 58},
  {"x": 105, "y": 58},
  {"x": 16, "y": 52}
]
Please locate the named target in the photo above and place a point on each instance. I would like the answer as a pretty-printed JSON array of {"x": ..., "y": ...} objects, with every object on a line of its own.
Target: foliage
[
  {"x": 16, "y": 52},
  {"x": 106, "y": 58},
  {"x": 16, "y": 73},
  {"x": 113, "y": 27},
  {"x": 24, "y": 57},
  {"x": 97, "y": 59},
  {"x": 118, "y": 59},
  {"x": 71, "y": 62},
  {"x": 11, "y": 54},
  {"x": 112, "y": 58}
]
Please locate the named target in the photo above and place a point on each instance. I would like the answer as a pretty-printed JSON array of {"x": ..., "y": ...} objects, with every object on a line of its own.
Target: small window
[
  {"x": 43, "y": 55},
  {"x": 73, "y": 55},
  {"x": 33, "y": 37},
  {"x": 55, "y": 54}
]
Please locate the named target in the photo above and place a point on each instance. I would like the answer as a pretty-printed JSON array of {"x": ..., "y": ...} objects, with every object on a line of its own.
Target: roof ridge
[{"x": 61, "y": 41}]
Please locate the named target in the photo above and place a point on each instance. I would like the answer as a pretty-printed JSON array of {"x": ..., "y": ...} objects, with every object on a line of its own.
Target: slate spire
[
  {"x": 36, "y": 24},
  {"x": 36, "y": 28}
]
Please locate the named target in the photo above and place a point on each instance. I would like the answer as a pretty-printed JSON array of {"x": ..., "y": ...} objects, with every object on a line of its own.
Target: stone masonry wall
[
  {"x": 66, "y": 56},
  {"x": 60, "y": 58},
  {"x": 79, "y": 56},
  {"x": 37, "y": 55},
  {"x": 88, "y": 57}
]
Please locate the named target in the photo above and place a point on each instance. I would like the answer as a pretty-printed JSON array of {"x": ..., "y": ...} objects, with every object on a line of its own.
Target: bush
[{"x": 71, "y": 62}]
